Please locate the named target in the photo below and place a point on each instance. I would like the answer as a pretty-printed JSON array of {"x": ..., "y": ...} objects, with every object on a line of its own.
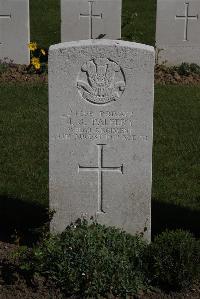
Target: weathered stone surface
[
  {"x": 14, "y": 30},
  {"x": 100, "y": 121},
  {"x": 177, "y": 31},
  {"x": 90, "y": 19}
]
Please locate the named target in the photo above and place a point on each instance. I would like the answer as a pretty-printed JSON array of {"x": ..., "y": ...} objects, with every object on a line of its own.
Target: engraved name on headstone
[
  {"x": 177, "y": 31},
  {"x": 100, "y": 133},
  {"x": 90, "y": 19},
  {"x": 14, "y": 31}
]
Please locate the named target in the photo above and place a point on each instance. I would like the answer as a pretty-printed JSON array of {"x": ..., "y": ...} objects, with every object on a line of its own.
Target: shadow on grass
[
  {"x": 21, "y": 221},
  {"x": 24, "y": 221},
  {"x": 169, "y": 216}
]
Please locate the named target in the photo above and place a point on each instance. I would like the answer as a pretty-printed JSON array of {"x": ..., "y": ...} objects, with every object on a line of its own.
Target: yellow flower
[
  {"x": 43, "y": 52},
  {"x": 37, "y": 66},
  {"x": 35, "y": 60},
  {"x": 32, "y": 46},
  {"x": 36, "y": 63}
]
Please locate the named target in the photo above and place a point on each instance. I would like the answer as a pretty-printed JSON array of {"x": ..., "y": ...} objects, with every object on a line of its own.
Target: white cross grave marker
[
  {"x": 91, "y": 16},
  {"x": 177, "y": 31},
  {"x": 186, "y": 18},
  {"x": 90, "y": 19},
  {"x": 100, "y": 169}
]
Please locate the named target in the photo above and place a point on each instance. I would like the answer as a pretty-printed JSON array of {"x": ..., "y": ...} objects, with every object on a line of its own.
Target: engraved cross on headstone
[
  {"x": 186, "y": 18},
  {"x": 4, "y": 16},
  {"x": 100, "y": 169},
  {"x": 91, "y": 16}
]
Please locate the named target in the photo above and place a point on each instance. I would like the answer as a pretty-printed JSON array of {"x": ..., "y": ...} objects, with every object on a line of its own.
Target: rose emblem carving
[{"x": 101, "y": 81}]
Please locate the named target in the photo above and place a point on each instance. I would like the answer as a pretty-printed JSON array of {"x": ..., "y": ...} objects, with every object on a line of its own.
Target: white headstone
[
  {"x": 100, "y": 122},
  {"x": 14, "y": 30},
  {"x": 90, "y": 19},
  {"x": 178, "y": 31}
]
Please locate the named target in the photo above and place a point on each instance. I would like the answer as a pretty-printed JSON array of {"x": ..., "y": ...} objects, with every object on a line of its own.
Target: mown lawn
[
  {"x": 138, "y": 21},
  {"x": 176, "y": 159},
  {"x": 24, "y": 144},
  {"x": 45, "y": 22}
]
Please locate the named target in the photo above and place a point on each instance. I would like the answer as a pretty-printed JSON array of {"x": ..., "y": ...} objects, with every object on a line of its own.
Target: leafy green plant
[
  {"x": 90, "y": 260},
  {"x": 4, "y": 65},
  {"x": 195, "y": 68},
  {"x": 185, "y": 69},
  {"x": 173, "y": 259},
  {"x": 93, "y": 260}
]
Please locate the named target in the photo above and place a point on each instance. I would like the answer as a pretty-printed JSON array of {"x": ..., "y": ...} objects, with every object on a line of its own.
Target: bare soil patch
[
  {"x": 163, "y": 75},
  {"x": 13, "y": 73}
]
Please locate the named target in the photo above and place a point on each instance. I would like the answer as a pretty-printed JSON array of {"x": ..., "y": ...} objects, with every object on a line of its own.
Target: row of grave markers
[
  {"x": 177, "y": 30},
  {"x": 79, "y": 21}
]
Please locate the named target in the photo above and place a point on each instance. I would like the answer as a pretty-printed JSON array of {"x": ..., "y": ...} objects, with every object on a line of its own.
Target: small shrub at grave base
[
  {"x": 195, "y": 68},
  {"x": 173, "y": 260},
  {"x": 39, "y": 58},
  {"x": 4, "y": 65},
  {"x": 90, "y": 260},
  {"x": 186, "y": 69}
]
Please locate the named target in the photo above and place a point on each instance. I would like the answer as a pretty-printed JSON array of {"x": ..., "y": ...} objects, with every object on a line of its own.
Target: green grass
[
  {"x": 138, "y": 21},
  {"x": 24, "y": 146},
  {"x": 176, "y": 167},
  {"x": 45, "y": 22},
  {"x": 24, "y": 142}
]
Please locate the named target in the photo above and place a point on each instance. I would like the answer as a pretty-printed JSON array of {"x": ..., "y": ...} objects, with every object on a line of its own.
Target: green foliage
[
  {"x": 185, "y": 69},
  {"x": 4, "y": 65},
  {"x": 90, "y": 260},
  {"x": 195, "y": 68},
  {"x": 174, "y": 259}
]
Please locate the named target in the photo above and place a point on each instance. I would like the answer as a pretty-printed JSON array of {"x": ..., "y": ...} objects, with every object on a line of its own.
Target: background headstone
[
  {"x": 90, "y": 19},
  {"x": 178, "y": 31},
  {"x": 14, "y": 30},
  {"x": 101, "y": 121}
]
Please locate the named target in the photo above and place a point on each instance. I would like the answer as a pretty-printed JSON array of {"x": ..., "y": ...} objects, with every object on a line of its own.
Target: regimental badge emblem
[{"x": 101, "y": 81}]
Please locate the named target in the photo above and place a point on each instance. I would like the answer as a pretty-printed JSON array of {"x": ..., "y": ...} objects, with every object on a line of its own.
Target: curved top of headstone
[
  {"x": 101, "y": 42},
  {"x": 101, "y": 133}
]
